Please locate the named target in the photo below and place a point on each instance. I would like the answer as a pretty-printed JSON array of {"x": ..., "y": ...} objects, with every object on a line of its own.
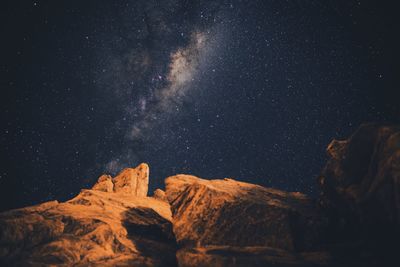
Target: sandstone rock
[
  {"x": 231, "y": 213},
  {"x": 160, "y": 195},
  {"x": 361, "y": 181},
  {"x": 98, "y": 227},
  {"x": 104, "y": 183},
  {"x": 133, "y": 181}
]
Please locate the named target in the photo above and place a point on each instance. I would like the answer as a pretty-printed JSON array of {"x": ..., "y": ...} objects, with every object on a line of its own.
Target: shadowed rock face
[
  {"x": 220, "y": 256},
  {"x": 361, "y": 181},
  {"x": 231, "y": 213}
]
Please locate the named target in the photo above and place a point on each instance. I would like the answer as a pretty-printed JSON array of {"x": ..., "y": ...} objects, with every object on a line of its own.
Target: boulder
[
  {"x": 231, "y": 213},
  {"x": 360, "y": 184}
]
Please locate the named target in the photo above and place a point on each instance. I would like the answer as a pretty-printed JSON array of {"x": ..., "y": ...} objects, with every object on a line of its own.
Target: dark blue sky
[{"x": 253, "y": 90}]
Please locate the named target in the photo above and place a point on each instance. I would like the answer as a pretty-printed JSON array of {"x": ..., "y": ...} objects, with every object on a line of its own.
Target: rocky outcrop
[
  {"x": 222, "y": 222},
  {"x": 98, "y": 227},
  {"x": 230, "y": 213},
  {"x": 133, "y": 181},
  {"x": 104, "y": 183},
  {"x": 360, "y": 184}
]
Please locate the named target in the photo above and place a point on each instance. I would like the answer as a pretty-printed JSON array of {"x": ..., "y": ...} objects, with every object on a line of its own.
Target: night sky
[{"x": 253, "y": 90}]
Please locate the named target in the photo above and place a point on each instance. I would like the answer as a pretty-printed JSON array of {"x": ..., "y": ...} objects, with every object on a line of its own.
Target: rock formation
[
  {"x": 209, "y": 212},
  {"x": 133, "y": 181},
  {"x": 104, "y": 183},
  {"x": 222, "y": 222},
  {"x": 360, "y": 184},
  {"x": 108, "y": 225}
]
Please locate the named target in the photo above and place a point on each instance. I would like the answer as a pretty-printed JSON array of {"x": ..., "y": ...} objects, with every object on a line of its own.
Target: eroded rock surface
[
  {"x": 231, "y": 213},
  {"x": 104, "y": 183},
  {"x": 133, "y": 181},
  {"x": 99, "y": 227}
]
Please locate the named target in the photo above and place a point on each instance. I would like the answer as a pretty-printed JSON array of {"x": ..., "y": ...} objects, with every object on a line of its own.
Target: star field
[{"x": 253, "y": 90}]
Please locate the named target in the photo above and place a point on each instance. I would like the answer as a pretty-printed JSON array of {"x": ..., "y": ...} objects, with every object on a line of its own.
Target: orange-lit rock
[
  {"x": 104, "y": 183},
  {"x": 160, "y": 195},
  {"x": 97, "y": 227},
  {"x": 133, "y": 181},
  {"x": 231, "y": 213}
]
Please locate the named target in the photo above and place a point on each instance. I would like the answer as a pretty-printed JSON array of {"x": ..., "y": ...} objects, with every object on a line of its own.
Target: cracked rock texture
[
  {"x": 100, "y": 226},
  {"x": 228, "y": 212}
]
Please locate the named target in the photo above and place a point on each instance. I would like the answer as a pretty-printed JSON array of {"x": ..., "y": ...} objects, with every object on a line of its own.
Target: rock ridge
[{"x": 223, "y": 222}]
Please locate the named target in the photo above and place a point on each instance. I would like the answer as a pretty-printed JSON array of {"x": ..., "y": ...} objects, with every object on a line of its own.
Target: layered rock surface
[
  {"x": 133, "y": 181},
  {"x": 231, "y": 213},
  {"x": 108, "y": 225}
]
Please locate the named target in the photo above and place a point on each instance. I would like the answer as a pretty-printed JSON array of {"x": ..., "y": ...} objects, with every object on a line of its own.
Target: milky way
[
  {"x": 168, "y": 83},
  {"x": 183, "y": 65},
  {"x": 253, "y": 90},
  {"x": 182, "y": 68}
]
